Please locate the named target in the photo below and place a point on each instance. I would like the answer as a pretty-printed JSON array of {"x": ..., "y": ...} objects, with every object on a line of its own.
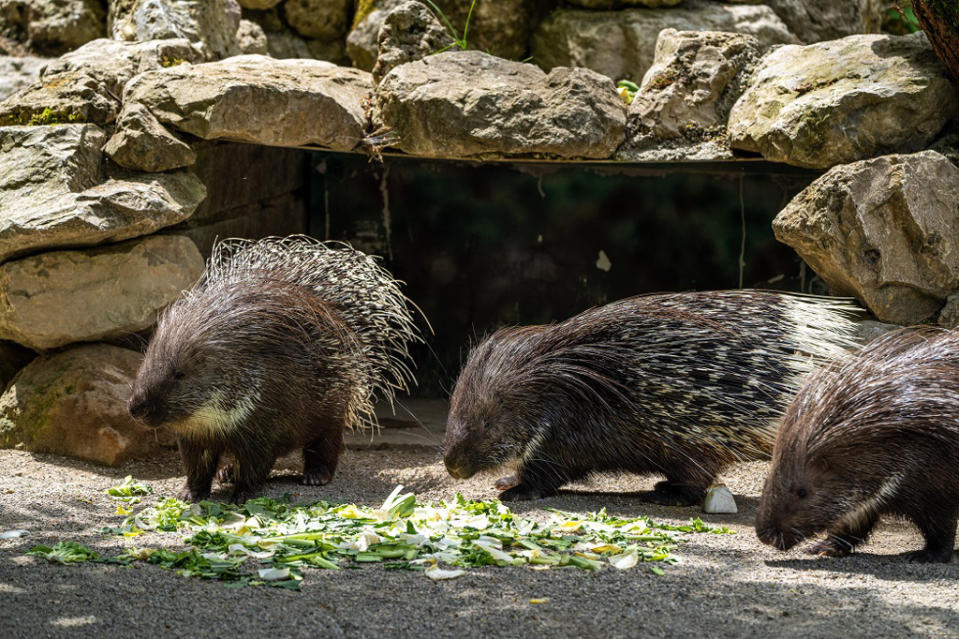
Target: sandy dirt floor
[{"x": 725, "y": 585}]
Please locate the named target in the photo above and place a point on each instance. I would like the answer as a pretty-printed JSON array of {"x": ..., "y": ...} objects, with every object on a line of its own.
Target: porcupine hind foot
[
  {"x": 940, "y": 535},
  {"x": 320, "y": 458},
  {"x": 668, "y": 493}
]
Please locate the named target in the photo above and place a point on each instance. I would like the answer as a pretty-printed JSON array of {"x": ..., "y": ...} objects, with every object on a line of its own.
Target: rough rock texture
[
  {"x": 685, "y": 98},
  {"x": 500, "y": 27},
  {"x": 409, "y": 32},
  {"x": 885, "y": 230},
  {"x": 211, "y": 24},
  {"x": 250, "y": 38},
  {"x": 73, "y": 403},
  {"x": 622, "y": 44},
  {"x": 322, "y": 19},
  {"x": 17, "y": 73},
  {"x": 260, "y": 100},
  {"x": 52, "y": 192},
  {"x": 464, "y": 103},
  {"x": 142, "y": 143},
  {"x": 815, "y": 20},
  {"x": 844, "y": 100},
  {"x": 61, "y": 297},
  {"x": 949, "y": 315},
  {"x": 52, "y": 27},
  {"x": 85, "y": 85}
]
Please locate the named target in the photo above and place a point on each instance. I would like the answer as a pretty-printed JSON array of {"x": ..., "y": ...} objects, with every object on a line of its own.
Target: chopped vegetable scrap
[{"x": 285, "y": 538}]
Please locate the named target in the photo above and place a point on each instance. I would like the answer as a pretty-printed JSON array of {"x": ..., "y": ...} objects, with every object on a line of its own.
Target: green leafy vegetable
[
  {"x": 129, "y": 488},
  {"x": 282, "y": 538}
]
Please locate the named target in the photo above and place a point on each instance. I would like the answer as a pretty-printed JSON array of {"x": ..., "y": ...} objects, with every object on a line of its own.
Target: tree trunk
[{"x": 941, "y": 25}]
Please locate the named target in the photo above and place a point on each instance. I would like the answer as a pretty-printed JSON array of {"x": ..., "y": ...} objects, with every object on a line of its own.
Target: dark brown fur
[
  {"x": 877, "y": 434},
  {"x": 679, "y": 385}
]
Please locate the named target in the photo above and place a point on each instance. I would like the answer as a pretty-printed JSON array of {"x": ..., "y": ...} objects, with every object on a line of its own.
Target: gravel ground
[{"x": 725, "y": 585}]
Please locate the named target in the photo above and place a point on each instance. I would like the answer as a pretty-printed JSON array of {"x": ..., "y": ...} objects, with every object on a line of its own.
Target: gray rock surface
[
  {"x": 685, "y": 97},
  {"x": 259, "y": 99},
  {"x": 844, "y": 100},
  {"x": 884, "y": 230},
  {"x": 622, "y": 44},
  {"x": 211, "y": 24},
  {"x": 52, "y": 27},
  {"x": 816, "y": 20},
  {"x": 85, "y": 85},
  {"x": 19, "y": 72},
  {"x": 52, "y": 192},
  {"x": 141, "y": 143},
  {"x": 362, "y": 41},
  {"x": 410, "y": 32},
  {"x": 321, "y": 19},
  {"x": 250, "y": 38},
  {"x": 57, "y": 298},
  {"x": 467, "y": 103},
  {"x": 73, "y": 403}
]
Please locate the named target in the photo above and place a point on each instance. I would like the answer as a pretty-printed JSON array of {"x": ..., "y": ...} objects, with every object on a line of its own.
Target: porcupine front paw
[
  {"x": 187, "y": 495},
  {"x": 526, "y": 492},
  {"x": 830, "y": 548},
  {"x": 226, "y": 475},
  {"x": 505, "y": 483},
  {"x": 316, "y": 477}
]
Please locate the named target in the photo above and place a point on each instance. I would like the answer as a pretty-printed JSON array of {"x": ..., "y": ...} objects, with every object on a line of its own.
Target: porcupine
[
  {"x": 674, "y": 384},
  {"x": 875, "y": 434},
  {"x": 282, "y": 344}
]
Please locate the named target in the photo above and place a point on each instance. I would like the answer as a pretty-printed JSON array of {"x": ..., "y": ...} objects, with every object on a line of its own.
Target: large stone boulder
[
  {"x": 51, "y": 27},
  {"x": 844, "y": 100},
  {"x": 681, "y": 108},
  {"x": 85, "y": 85},
  {"x": 816, "y": 20},
  {"x": 259, "y": 99},
  {"x": 17, "y": 73},
  {"x": 622, "y": 44},
  {"x": 57, "y": 298},
  {"x": 53, "y": 193},
  {"x": 211, "y": 24},
  {"x": 74, "y": 403},
  {"x": 468, "y": 103},
  {"x": 500, "y": 27},
  {"x": 410, "y": 32},
  {"x": 885, "y": 230}
]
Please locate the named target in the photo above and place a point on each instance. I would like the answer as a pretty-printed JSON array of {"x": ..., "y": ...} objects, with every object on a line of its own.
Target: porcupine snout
[{"x": 147, "y": 409}]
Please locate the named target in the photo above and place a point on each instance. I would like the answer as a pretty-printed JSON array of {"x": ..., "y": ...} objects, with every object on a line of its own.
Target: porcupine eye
[
  {"x": 178, "y": 374},
  {"x": 801, "y": 492},
  {"x": 486, "y": 425}
]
